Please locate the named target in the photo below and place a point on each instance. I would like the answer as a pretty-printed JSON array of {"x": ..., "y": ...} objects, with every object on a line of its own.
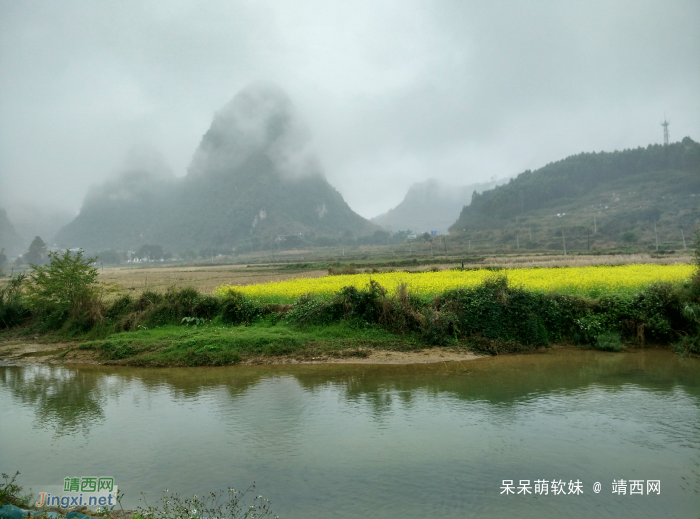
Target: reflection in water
[
  {"x": 66, "y": 401},
  {"x": 352, "y": 440}
]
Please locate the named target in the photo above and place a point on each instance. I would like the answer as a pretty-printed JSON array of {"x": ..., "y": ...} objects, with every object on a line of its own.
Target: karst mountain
[{"x": 252, "y": 179}]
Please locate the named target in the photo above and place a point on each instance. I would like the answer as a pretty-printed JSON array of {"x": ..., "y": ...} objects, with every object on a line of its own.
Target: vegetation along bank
[{"x": 483, "y": 310}]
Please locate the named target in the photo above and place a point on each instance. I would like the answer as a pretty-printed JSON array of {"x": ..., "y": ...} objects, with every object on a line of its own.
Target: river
[{"x": 320, "y": 441}]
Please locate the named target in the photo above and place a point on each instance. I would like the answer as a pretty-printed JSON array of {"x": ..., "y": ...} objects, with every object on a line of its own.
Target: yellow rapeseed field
[{"x": 585, "y": 281}]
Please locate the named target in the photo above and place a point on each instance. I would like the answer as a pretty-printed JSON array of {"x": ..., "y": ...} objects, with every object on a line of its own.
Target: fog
[
  {"x": 260, "y": 119},
  {"x": 143, "y": 173},
  {"x": 390, "y": 93}
]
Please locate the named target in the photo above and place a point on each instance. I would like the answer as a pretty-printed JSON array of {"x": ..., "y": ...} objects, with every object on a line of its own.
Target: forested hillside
[{"x": 637, "y": 196}]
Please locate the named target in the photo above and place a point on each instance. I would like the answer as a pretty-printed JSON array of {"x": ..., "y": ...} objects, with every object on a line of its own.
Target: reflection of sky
[{"x": 340, "y": 442}]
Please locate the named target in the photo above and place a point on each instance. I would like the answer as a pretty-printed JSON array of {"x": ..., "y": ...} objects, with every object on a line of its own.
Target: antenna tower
[{"x": 665, "y": 125}]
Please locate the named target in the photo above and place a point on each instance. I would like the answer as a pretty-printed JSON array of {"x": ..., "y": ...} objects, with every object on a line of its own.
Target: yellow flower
[{"x": 584, "y": 281}]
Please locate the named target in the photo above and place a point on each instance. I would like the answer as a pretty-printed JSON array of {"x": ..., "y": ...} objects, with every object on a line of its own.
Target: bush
[
  {"x": 155, "y": 309},
  {"x": 696, "y": 257},
  {"x": 688, "y": 345},
  {"x": 497, "y": 312},
  {"x": 654, "y": 313},
  {"x": 66, "y": 288},
  {"x": 309, "y": 310},
  {"x": 359, "y": 306},
  {"x": 10, "y": 492},
  {"x": 13, "y": 310},
  {"x": 239, "y": 309}
]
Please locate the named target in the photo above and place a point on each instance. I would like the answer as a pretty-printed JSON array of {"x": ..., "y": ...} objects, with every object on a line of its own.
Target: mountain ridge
[{"x": 631, "y": 196}]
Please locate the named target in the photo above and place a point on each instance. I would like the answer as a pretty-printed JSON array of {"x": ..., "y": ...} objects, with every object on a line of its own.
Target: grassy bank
[
  {"x": 215, "y": 344},
  {"x": 483, "y": 311}
]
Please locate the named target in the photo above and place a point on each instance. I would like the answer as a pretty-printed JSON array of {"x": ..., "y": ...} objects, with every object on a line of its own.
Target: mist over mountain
[
  {"x": 430, "y": 206},
  {"x": 252, "y": 178},
  {"x": 637, "y": 196},
  {"x": 10, "y": 239},
  {"x": 22, "y": 222}
]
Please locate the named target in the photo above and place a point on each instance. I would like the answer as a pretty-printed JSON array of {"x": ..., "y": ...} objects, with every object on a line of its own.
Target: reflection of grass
[{"x": 214, "y": 344}]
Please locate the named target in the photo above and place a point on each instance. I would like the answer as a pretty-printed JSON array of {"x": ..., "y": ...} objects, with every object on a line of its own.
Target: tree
[
  {"x": 36, "y": 253},
  {"x": 68, "y": 282},
  {"x": 3, "y": 259}
]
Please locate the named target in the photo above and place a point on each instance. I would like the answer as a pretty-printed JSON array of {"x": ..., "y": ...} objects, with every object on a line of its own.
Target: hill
[
  {"x": 632, "y": 197},
  {"x": 10, "y": 240},
  {"x": 251, "y": 180},
  {"x": 429, "y": 206}
]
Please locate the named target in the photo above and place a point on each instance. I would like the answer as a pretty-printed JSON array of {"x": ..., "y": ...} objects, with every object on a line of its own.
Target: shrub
[
  {"x": 696, "y": 257},
  {"x": 309, "y": 310},
  {"x": 360, "y": 306},
  {"x": 13, "y": 309},
  {"x": 498, "y": 312},
  {"x": 66, "y": 288},
  {"x": 688, "y": 345},
  {"x": 10, "y": 492},
  {"x": 156, "y": 309},
  {"x": 654, "y": 313},
  {"x": 239, "y": 309},
  {"x": 404, "y": 312}
]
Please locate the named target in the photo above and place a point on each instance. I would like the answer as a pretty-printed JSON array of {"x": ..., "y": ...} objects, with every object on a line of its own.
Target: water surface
[{"x": 372, "y": 441}]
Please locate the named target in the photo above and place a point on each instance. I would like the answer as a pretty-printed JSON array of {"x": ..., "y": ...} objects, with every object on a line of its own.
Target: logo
[{"x": 90, "y": 491}]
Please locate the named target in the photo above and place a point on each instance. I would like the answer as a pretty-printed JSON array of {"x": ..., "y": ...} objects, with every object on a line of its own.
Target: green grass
[{"x": 216, "y": 344}]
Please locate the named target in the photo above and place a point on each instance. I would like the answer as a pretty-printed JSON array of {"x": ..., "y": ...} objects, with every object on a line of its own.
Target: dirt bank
[
  {"x": 425, "y": 356},
  {"x": 17, "y": 352}
]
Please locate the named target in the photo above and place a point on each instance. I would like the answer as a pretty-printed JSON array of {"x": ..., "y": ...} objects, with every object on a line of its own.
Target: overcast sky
[{"x": 393, "y": 92}]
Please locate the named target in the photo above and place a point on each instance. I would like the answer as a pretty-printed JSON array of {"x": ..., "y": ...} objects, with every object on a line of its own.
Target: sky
[{"x": 392, "y": 92}]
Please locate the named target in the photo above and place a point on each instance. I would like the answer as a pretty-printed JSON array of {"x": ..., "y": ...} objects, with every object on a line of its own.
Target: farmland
[
  {"x": 206, "y": 277},
  {"x": 583, "y": 281}
]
